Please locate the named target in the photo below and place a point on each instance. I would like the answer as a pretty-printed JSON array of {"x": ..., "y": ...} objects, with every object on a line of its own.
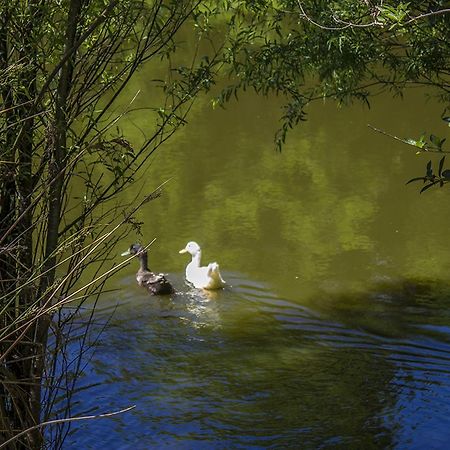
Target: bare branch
[{"x": 69, "y": 419}]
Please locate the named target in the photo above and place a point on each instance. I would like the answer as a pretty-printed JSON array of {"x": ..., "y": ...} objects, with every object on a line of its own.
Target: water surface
[{"x": 334, "y": 331}]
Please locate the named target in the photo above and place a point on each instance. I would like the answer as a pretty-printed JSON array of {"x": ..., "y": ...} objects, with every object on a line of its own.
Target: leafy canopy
[{"x": 345, "y": 50}]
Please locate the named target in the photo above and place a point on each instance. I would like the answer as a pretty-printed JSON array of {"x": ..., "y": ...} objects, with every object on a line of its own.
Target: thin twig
[
  {"x": 386, "y": 133},
  {"x": 69, "y": 419},
  {"x": 423, "y": 16},
  {"x": 405, "y": 141}
]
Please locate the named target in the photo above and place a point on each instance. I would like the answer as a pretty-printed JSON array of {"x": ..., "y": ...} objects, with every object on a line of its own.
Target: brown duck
[{"x": 156, "y": 284}]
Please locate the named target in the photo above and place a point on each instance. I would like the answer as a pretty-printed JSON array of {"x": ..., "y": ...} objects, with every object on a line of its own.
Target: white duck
[{"x": 207, "y": 277}]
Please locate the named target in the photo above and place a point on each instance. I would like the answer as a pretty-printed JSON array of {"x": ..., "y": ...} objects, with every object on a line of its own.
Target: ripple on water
[{"x": 246, "y": 368}]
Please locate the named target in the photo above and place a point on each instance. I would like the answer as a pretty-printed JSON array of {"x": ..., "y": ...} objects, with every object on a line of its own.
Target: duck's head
[
  {"x": 135, "y": 249},
  {"x": 191, "y": 247}
]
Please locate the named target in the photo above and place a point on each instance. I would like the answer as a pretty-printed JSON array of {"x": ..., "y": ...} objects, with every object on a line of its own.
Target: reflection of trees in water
[{"x": 399, "y": 307}]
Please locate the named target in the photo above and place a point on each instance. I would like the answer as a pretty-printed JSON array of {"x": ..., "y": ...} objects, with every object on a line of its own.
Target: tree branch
[{"x": 69, "y": 419}]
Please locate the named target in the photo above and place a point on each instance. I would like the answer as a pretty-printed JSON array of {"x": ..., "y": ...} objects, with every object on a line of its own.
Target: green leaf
[
  {"x": 422, "y": 141},
  {"x": 427, "y": 187},
  {"x": 434, "y": 139},
  {"x": 417, "y": 179},
  {"x": 441, "y": 165},
  {"x": 429, "y": 169},
  {"x": 437, "y": 141}
]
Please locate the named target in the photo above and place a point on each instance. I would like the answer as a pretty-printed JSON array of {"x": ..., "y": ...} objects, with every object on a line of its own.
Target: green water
[
  {"x": 333, "y": 331},
  {"x": 330, "y": 212}
]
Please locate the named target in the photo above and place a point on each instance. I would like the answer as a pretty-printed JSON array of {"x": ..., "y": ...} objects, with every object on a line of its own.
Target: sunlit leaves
[
  {"x": 393, "y": 15},
  {"x": 425, "y": 143}
]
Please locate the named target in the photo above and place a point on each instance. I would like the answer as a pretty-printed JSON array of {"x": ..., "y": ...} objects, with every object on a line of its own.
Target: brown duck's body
[{"x": 156, "y": 284}]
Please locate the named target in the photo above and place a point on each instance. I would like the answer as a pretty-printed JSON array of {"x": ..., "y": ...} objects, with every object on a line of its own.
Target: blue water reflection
[{"x": 251, "y": 370}]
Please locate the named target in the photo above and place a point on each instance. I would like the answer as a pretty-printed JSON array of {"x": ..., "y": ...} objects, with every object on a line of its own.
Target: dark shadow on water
[{"x": 393, "y": 308}]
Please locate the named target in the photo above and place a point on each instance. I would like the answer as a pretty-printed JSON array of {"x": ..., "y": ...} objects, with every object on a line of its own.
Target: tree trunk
[{"x": 58, "y": 150}]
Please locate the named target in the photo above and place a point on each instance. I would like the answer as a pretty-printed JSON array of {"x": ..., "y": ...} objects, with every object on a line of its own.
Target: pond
[{"x": 334, "y": 328}]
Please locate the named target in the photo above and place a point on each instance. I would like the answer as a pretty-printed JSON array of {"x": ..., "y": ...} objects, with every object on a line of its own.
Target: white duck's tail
[{"x": 214, "y": 273}]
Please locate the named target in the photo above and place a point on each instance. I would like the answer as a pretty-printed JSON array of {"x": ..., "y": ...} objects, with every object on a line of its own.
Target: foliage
[
  {"x": 346, "y": 50},
  {"x": 431, "y": 144},
  {"x": 63, "y": 66}
]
